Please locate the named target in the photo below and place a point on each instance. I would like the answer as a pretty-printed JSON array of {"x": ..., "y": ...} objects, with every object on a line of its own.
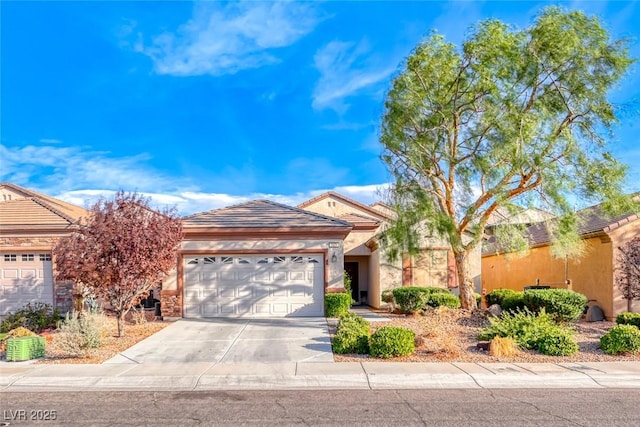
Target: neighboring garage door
[
  {"x": 253, "y": 285},
  {"x": 25, "y": 278}
]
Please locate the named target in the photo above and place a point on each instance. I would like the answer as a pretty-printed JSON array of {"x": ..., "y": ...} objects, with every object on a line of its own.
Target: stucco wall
[
  {"x": 590, "y": 275},
  {"x": 619, "y": 237}
]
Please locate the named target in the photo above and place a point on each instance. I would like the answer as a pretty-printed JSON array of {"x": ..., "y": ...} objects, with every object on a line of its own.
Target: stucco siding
[{"x": 589, "y": 275}]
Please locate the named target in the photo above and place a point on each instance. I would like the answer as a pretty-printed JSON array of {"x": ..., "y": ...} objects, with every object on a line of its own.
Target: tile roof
[
  {"x": 31, "y": 210},
  {"x": 360, "y": 220},
  {"x": 592, "y": 220},
  {"x": 262, "y": 214}
]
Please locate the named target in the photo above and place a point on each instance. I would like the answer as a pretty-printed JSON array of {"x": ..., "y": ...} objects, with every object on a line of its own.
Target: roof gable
[
  {"x": 320, "y": 203},
  {"x": 263, "y": 214},
  {"x": 11, "y": 192},
  {"x": 31, "y": 213}
]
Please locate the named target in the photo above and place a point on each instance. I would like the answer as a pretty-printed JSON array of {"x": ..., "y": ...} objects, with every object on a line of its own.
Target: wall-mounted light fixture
[{"x": 334, "y": 258}]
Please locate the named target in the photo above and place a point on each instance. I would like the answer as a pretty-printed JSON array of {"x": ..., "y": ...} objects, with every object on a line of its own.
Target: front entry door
[{"x": 351, "y": 268}]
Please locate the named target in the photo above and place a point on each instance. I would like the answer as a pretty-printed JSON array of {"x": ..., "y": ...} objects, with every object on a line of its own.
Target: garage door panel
[
  {"x": 24, "y": 278},
  {"x": 255, "y": 286}
]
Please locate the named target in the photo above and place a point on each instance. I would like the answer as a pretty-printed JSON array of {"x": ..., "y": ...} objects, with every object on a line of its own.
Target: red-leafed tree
[
  {"x": 120, "y": 251},
  {"x": 628, "y": 274}
]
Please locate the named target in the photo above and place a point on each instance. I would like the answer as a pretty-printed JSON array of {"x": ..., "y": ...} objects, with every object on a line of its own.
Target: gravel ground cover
[{"x": 450, "y": 335}]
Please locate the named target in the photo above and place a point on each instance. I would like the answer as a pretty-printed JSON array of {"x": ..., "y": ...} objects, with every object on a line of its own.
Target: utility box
[{"x": 25, "y": 348}]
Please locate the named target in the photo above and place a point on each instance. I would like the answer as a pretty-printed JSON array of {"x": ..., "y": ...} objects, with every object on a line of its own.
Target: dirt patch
[{"x": 450, "y": 335}]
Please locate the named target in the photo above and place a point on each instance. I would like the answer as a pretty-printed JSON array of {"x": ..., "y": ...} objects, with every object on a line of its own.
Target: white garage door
[
  {"x": 24, "y": 278},
  {"x": 254, "y": 286}
]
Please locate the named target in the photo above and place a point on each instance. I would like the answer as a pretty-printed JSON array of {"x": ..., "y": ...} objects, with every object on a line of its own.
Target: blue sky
[{"x": 202, "y": 105}]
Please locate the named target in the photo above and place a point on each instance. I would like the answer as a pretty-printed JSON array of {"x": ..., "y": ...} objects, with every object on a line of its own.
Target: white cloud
[
  {"x": 347, "y": 69},
  {"x": 50, "y": 141},
  {"x": 224, "y": 40}
]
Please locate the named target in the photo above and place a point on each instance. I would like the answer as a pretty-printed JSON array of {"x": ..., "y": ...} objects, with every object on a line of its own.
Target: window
[
  {"x": 193, "y": 261},
  {"x": 312, "y": 260},
  {"x": 297, "y": 259},
  {"x": 209, "y": 259},
  {"x": 226, "y": 260},
  {"x": 243, "y": 261},
  {"x": 28, "y": 257},
  {"x": 263, "y": 261},
  {"x": 45, "y": 257},
  {"x": 279, "y": 259},
  {"x": 10, "y": 258}
]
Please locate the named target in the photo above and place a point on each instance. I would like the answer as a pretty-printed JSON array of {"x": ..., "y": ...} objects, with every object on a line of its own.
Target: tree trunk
[
  {"x": 120, "y": 318},
  {"x": 465, "y": 281}
]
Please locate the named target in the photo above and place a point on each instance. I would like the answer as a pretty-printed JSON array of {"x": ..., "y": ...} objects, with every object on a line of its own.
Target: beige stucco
[{"x": 591, "y": 275}]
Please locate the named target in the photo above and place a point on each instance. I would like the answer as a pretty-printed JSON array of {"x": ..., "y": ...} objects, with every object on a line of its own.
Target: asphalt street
[{"x": 513, "y": 407}]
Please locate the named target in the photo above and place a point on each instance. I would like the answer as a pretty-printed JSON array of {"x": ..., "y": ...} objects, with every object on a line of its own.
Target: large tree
[
  {"x": 628, "y": 271},
  {"x": 121, "y": 251},
  {"x": 514, "y": 117}
]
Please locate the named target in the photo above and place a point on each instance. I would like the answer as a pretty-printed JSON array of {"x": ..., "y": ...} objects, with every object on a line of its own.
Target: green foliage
[
  {"x": 563, "y": 304},
  {"x": 478, "y": 299},
  {"x": 79, "y": 334},
  {"x": 352, "y": 335},
  {"x": 628, "y": 319},
  {"x": 392, "y": 341},
  {"x": 387, "y": 296},
  {"x": 621, "y": 339},
  {"x": 557, "y": 342},
  {"x": 436, "y": 290},
  {"x": 513, "y": 302},
  {"x": 347, "y": 282},
  {"x": 497, "y": 295},
  {"x": 520, "y": 114},
  {"x": 411, "y": 299},
  {"x": 336, "y": 304},
  {"x": 36, "y": 317},
  {"x": 533, "y": 331},
  {"x": 448, "y": 300}
]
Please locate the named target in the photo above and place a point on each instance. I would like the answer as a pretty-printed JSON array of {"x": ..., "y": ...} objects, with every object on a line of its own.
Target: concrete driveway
[{"x": 301, "y": 339}]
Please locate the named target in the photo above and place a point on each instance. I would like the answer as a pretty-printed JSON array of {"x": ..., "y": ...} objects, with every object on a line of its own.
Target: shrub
[
  {"x": 336, "y": 304},
  {"x": 562, "y": 304},
  {"x": 411, "y": 299},
  {"x": 392, "y": 341},
  {"x": 36, "y": 317},
  {"x": 533, "y": 331},
  {"x": 352, "y": 335},
  {"x": 513, "y": 302},
  {"x": 628, "y": 319},
  {"x": 79, "y": 334},
  {"x": 447, "y": 300},
  {"x": 387, "y": 296},
  {"x": 621, "y": 339},
  {"x": 496, "y": 296},
  {"x": 436, "y": 290},
  {"x": 558, "y": 342},
  {"x": 478, "y": 300}
]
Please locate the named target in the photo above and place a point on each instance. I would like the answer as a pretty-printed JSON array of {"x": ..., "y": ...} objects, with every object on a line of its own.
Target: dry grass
[
  {"x": 135, "y": 331},
  {"x": 450, "y": 335}
]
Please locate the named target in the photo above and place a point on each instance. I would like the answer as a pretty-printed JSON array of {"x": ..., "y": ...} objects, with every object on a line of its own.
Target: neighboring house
[
  {"x": 255, "y": 259},
  {"x": 367, "y": 264},
  {"x": 30, "y": 224},
  {"x": 592, "y": 274}
]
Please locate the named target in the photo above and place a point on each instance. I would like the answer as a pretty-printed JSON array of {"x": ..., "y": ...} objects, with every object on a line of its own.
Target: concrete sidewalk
[{"x": 30, "y": 377}]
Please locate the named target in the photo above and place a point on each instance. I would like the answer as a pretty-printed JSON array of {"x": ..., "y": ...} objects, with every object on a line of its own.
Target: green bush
[
  {"x": 533, "y": 331},
  {"x": 36, "y": 317},
  {"x": 352, "y": 335},
  {"x": 392, "y": 341},
  {"x": 336, "y": 304},
  {"x": 496, "y": 296},
  {"x": 447, "y": 300},
  {"x": 562, "y": 304},
  {"x": 478, "y": 300},
  {"x": 558, "y": 342},
  {"x": 437, "y": 290},
  {"x": 628, "y": 319},
  {"x": 411, "y": 299},
  {"x": 79, "y": 334},
  {"x": 621, "y": 339},
  {"x": 513, "y": 302},
  {"x": 387, "y": 296}
]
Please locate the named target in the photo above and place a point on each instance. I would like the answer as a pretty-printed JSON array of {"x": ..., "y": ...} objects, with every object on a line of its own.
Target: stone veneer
[
  {"x": 26, "y": 242},
  {"x": 171, "y": 303}
]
